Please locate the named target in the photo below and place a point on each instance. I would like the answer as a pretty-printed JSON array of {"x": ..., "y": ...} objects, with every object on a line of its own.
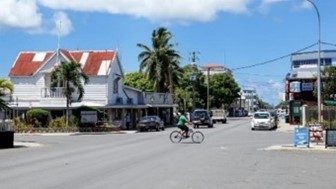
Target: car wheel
[
  {"x": 157, "y": 128},
  {"x": 224, "y": 121}
]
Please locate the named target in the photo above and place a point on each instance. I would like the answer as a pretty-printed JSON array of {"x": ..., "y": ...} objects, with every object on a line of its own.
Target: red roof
[
  {"x": 213, "y": 65},
  {"x": 94, "y": 62}
]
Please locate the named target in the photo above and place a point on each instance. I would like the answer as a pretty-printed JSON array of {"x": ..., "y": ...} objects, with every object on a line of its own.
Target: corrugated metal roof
[{"x": 94, "y": 62}]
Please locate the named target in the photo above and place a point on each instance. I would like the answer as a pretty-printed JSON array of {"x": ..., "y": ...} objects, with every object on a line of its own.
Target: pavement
[{"x": 313, "y": 146}]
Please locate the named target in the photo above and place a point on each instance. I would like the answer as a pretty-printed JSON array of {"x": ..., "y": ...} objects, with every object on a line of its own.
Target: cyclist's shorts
[{"x": 183, "y": 127}]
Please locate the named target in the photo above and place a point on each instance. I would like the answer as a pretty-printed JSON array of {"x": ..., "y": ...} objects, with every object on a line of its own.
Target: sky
[{"x": 253, "y": 38}]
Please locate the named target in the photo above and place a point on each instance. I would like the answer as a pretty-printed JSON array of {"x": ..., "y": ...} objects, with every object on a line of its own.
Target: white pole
[{"x": 319, "y": 110}]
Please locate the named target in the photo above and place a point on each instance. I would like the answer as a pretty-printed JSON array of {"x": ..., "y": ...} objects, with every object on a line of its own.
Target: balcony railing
[{"x": 52, "y": 92}]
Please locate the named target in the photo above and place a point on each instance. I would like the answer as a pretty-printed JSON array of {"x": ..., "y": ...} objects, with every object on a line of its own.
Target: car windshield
[
  {"x": 200, "y": 113},
  {"x": 261, "y": 115}
]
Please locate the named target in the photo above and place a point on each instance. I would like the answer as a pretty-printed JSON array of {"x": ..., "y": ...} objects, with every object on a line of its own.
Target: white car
[{"x": 262, "y": 120}]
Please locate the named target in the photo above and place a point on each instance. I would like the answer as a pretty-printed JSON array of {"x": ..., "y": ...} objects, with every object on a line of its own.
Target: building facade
[
  {"x": 301, "y": 80},
  {"x": 31, "y": 76}
]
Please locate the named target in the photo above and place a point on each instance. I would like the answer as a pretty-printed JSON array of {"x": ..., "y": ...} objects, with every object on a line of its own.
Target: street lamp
[{"x": 318, "y": 63}]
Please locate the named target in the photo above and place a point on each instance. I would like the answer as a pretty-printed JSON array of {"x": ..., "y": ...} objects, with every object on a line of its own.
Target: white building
[{"x": 31, "y": 76}]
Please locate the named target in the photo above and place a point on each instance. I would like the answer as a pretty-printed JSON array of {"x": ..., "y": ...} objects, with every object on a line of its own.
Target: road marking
[{"x": 223, "y": 148}]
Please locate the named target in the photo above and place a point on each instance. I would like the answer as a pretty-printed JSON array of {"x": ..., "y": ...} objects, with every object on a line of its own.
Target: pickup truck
[{"x": 218, "y": 115}]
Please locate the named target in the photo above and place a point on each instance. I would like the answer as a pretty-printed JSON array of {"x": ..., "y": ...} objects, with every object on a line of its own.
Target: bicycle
[{"x": 176, "y": 136}]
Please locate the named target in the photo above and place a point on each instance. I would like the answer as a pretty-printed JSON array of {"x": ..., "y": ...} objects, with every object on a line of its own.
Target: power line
[
  {"x": 262, "y": 75},
  {"x": 326, "y": 43},
  {"x": 273, "y": 60}
]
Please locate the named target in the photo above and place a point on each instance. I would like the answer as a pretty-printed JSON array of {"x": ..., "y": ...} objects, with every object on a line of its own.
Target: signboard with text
[
  {"x": 88, "y": 117},
  {"x": 295, "y": 87},
  {"x": 301, "y": 136},
  {"x": 330, "y": 138},
  {"x": 330, "y": 102},
  {"x": 307, "y": 87}
]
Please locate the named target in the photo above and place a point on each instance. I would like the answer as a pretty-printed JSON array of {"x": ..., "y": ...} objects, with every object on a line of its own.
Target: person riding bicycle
[{"x": 181, "y": 124}]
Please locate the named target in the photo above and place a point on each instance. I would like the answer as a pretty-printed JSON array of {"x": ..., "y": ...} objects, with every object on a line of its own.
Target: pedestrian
[{"x": 128, "y": 121}]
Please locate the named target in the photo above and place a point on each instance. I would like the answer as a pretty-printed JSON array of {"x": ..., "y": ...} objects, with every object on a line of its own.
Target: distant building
[
  {"x": 214, "y": 69},
  {"x": 301, "y": 80}
]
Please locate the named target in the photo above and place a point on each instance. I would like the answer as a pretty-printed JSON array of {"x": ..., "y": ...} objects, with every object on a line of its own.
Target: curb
[{"x": 291, "y": 147}]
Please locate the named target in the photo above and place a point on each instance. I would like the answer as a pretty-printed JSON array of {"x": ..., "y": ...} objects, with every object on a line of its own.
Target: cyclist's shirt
[{"x": 182, "y": 120}]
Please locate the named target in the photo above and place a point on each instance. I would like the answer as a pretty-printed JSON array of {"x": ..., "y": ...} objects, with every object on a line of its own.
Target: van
[{"x": 219, "y": 115}]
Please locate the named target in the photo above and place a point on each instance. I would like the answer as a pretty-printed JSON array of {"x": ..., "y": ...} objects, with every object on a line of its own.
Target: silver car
[{"x": 262, "y": 120}]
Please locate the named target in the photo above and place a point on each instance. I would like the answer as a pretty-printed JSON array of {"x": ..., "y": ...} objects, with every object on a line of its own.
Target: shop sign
[
  {"x": 307, "y": 87},
  {"x": 295, "y": 87}
]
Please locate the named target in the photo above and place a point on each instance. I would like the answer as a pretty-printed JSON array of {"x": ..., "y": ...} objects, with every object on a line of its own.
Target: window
[{"x": 116, "y": 85}]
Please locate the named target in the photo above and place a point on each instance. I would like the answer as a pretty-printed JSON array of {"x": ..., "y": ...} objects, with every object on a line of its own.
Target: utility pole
[{"x": 193, "y": 58}]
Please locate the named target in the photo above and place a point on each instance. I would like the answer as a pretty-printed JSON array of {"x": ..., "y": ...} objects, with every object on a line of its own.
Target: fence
[{"x": 310, "y": 116}]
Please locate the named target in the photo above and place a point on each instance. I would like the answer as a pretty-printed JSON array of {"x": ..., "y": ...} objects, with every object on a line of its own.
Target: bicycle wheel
[
  {"x": 197, "y": 137},
  {"x": 175, "y": 137}
]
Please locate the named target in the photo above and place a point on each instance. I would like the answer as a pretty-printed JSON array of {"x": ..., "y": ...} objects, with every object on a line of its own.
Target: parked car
[
  {"x": 262, "y": 120},
  {"x": 218, "y": 115},
  {"x": 238, "y": 113},
  {"x": 202, "y": 117},
  {"x": 150, "y": 122}
]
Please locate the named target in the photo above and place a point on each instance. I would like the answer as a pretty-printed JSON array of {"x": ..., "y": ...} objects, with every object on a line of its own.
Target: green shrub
[
  {"x": 18, "y": 124},
  {"x": 329, "y": 124},
  {"x": 38, "y": 117},
  {"x": 73, "y": 121},
  {"x": 58, "y": 122}
]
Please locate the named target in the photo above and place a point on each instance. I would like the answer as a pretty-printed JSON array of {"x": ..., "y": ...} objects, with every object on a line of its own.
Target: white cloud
[
  {"x": 19, "y": 14},
  {"x": 265, "y": 5},
  {"x": 25, "y": 14},
  {"x": 63, "y": 25},
  {"x": 156, "y": 10},
  {"x": 59, "y": 24}
]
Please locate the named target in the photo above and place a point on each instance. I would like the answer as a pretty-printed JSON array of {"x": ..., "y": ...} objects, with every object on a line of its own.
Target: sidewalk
[
  {"x": 285, "y": 127},
  {"x": 313, "y": 146}
]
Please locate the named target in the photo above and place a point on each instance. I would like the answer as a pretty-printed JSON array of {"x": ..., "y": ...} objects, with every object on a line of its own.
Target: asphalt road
[{"x": 232, "y": 156}]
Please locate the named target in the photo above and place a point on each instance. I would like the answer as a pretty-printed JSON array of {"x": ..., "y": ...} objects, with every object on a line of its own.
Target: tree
[
  {"x": 139, "y": 81},
  {"x": 5, "y": 86},
  {"x": 329, "y": 85},
  {"x": 223, "y": 90},
  {"x": 161, "y": 62},
  {"x": 193, "y": 92},
  {"x": 69, "y": 75}
]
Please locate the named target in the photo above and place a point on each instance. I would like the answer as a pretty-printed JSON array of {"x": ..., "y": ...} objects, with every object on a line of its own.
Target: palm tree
[
  {"x": 5, "y": 86},
  {"x": 69, "y": 75},
  {"x": 161, "y": 63}
]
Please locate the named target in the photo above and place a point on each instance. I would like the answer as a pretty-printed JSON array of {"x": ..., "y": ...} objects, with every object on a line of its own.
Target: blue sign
[
  {"x": 307, "y": 87},
  {"x": 301, "y": 136}
]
